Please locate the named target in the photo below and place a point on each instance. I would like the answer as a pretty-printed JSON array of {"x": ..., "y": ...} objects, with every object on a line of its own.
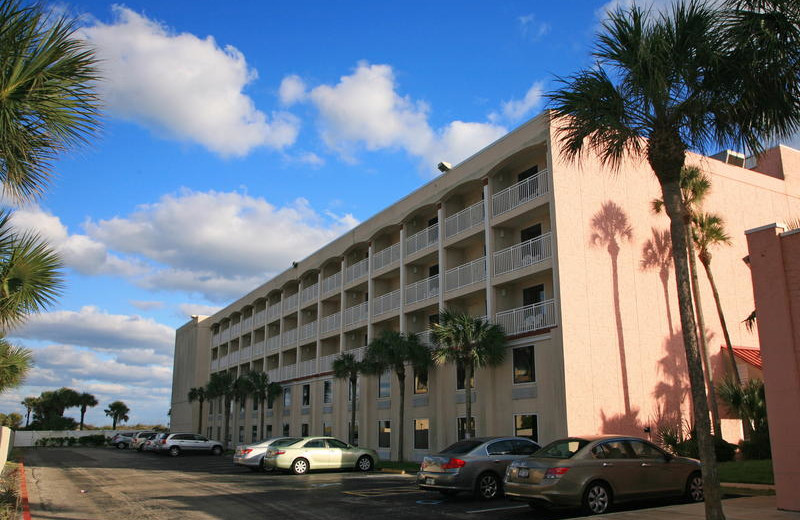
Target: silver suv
[
  {"x": 177, "y": 443},
  {"x": 122, "y": 440}
]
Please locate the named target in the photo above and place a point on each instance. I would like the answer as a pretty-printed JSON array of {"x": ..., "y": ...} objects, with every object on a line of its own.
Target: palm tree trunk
[
  {"x": 227, "y": 421},
  {"x": 83, "y": 413},
  {"x": 114, "y": 422},
  {"x": 673, "y": 204},
  {"x": 200, "y": 420},
  {"x": 28, "y": 418},
  {"x": 468, "y": 369},
  {"x": 701, "y": 325},
  {"x": 263, "y": 414},
  {"x": 747, "y": 428},
  {"x": 613, "y": 250},
  {"x": 353, "y": 388},
  {"x": 401, "y": 379}
]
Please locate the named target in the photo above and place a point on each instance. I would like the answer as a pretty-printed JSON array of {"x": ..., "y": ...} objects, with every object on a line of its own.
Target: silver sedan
[{"x": 252, "y": 455}]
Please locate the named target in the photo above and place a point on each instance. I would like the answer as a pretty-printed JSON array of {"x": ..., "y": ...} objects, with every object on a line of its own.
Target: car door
[
  {"x": 659, "y": 475},
  {"x": 317, "y": 453},
  {"x": 342, "y": 455},
  {"x": 501, "y": 453},
  {"x": 617, "y": 464},
  {"x": 201, "y": 443}
]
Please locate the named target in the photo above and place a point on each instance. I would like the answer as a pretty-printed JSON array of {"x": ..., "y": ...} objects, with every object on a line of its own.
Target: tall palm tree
[
  {"x": 118, "y": 411},
  {"x": 85, "y": 401},
  {"x": 242, "y": 388},
  {"x": 346, "y": 366},
  {"x": 469, "y": 342},
  {"x": 262, "y": 390},
  {"x": 14, "y": 364},
  {"x": 699, "y": 75},
  {"x": 198, "y": 393},
  {"x": 30, "y": 404},
  {"x": 394, "y": 350},
  {"x": 220, "y": 386}
]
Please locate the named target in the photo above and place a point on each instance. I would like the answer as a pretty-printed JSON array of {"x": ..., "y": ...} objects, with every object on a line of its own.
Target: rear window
[
  {"x": 462, "y": 447},
  {"x": 561, "y": 449}
]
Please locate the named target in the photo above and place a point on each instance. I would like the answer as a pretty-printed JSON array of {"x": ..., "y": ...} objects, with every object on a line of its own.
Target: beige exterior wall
[
  {"x": 190, "y": 369},
  {"x": 586, "y": 264}
]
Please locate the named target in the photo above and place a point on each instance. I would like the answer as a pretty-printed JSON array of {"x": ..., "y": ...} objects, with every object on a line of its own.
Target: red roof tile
[{"x": 748, "y": 355}]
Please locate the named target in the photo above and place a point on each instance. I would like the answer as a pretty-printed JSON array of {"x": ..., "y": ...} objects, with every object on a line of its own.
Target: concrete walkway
[{"x": 746, "y": 508}]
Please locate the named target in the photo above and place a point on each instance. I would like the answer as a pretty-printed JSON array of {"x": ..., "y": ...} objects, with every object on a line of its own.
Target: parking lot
[{"x": 103, "y": 483}]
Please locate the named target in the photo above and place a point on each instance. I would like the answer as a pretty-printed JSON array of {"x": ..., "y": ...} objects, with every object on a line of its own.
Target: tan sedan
[
  {"x": 594, "y": 472},
  {"x": 319, "y": 453}
]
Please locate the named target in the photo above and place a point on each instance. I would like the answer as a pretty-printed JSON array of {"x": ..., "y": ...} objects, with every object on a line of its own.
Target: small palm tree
[
  {"x": 346, "y": 366},
  {"x": 747, "y": 400},
  {"x": 86, "y": 400},
  {"x": 118, "y": 411},
  {"x": 198, "y": 394},
  {"x": 14, "y": 364},
  {"x": 469, "y": 342},
  {"x": 392, "y": 350},
  {"x": 30, "y": 405},
  {"x": 220, "y": 386},
  {"x": 262, "y": 390}
]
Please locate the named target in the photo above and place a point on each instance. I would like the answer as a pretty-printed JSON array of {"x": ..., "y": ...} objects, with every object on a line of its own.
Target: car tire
[
  {"x": 300, "y": 466},
  {"x": 216, "y": 450},
  {"x": 694, "y": 488},
  {"x": 487, "y": 486},
  {"x": 364, "y": 463},
  {"x": 596, "y": 498},
  {"x": 120, "y": 445},
  {"x": 174, "y": 451}
]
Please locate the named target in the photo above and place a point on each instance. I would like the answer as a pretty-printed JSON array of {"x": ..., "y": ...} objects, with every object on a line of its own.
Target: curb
[
  {"x": 395, "y": 471},
  {"x": 23, "y": 491}
]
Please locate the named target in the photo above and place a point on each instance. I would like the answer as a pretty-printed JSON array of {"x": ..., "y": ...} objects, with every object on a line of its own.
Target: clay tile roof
[{"x": 748, "y": 355}]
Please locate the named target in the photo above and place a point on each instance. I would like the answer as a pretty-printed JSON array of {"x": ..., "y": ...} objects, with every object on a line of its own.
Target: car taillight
[
  {"x": 453, "y": 464},
  {"x": 163, "y": 441},
  {"x": 279, "y": 452},
  {"x": 555, "y": 472},
  {"x": 246, "y": 451}
]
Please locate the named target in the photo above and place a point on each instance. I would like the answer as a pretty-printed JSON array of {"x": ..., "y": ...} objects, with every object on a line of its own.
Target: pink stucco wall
[
  {"x": 610, "y": 304},
  {"x": 775, "y": 261}
]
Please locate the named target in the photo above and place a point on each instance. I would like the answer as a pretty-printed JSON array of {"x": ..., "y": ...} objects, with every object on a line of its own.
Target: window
[
  {"x": 241, "y": 433},
  {"x": 462, "y": 427},
  {"x": 644, "y": 450},
  {"x": 524, "y": 365},
  {"x": 269, "y": 432},
  {"x": 384, "y": 433},
  {"x": 254, "y": 436},
  {"x": 314, "y": 443},
  {"x": 327, "y": 391},
  {"x": 500, "y": 448},
  {"x": 219, "y": 432},
  {"x": 421, "y": 381},
  {"x": 285, "y": 429},
  {"x": 527, "y": 426},
  {"x": 613, "y": 450},
  {"x": 461, "y": 374},
  {"x": 304, "y": 430},
  {"x": 522, "y": 447},
  {"x": 327, "y": 429},
  {"x": 336, "y": 443},
  {"x": 384, "y": 385},
  {"x": 287, "y": 397},
  {"x": 306, "y": 395},
  {"x": 354, "y": 431},
  {"x": 421, "y": 429}
]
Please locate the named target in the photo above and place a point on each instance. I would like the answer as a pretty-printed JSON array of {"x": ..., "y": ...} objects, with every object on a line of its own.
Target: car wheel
[
  {"x": 216, "y": 450},
  {"x": 596, "y": 499},
  {"x": 364, "y": 463},
  {"x": 488, "y": 486},
  {"x": 300, "y": 467},
  {"x": 174, "y": 451},
  {"x": 694, "y": 488},
  {"x": 120, "y": 445}
]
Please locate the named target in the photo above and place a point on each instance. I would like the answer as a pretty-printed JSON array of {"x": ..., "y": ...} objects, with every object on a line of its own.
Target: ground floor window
[
  {"x": 269, "y": 432},
  {"x": 527, "y": 425},
  {"x": 421, "y": 381},
  {"x": 285, "y": 429},
  {"x": 462, "y": 427},
  {"x": 241, "y": 433},
  {"x": 421, "y": 429},
  {"x": 524, "y": 367},
  {"x": 287, "y": 397},
  {"x": 304, "y": 430},
  {"x": 384, "y": 433},
  {"x": 327, "y": 429},
  {"x": 254, "y": 435}
]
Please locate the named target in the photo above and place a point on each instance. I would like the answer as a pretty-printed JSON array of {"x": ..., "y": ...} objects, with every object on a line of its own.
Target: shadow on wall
[{"x": 657, "y": 254}]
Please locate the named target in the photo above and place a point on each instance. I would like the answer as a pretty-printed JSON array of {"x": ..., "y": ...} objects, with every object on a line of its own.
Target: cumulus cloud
[
  {"x": 292, "y": 90},
  {"x": 147, "y": 305},
  {"x": 518, "y": 109},
  {"x": 533, "y": 29},
  {"x": 182, "y": 86},
  {"x": 85, "y": 365}
]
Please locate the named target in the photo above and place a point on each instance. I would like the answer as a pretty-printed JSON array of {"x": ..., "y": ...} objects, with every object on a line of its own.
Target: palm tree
[
  {"x": 30, "y": 404},
  {"x": 747, "y": 400},
  {"x": 14, "y": 364},
  {"x": 198, "y": 394},
  {"x": 241, "y": 389},
  {"x": 700, "y": 75},
  {"x": 471, "y": 343},
  {"x": 346, "y": 366},
  {"x": 118, "y": 411},
  {"x": 392, "y": 350},
  {"x": 262, "y": 391},
  {"x": 220, "y": 385},
  {"x": 86, "y": 400}
]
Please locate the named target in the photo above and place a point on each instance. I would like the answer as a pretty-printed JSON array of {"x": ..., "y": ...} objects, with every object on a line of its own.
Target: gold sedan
[{"x": 319, "y": 453}]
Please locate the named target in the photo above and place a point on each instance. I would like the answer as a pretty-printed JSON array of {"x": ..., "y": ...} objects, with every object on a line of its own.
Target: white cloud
[
  {"x": 210, "y": 286},
  {"x": 84, "y": 365},
  {"x": 182, "y": 86},
  {"x": 533, "y": 29},
  {"x": 292, "y": 90},
  {"x": 518, "y": 109},
  {"x": 195, "y": 309}
]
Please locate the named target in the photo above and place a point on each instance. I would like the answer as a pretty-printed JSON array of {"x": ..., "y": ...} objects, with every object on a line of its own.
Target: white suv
[{"x": 176, "y": 443}]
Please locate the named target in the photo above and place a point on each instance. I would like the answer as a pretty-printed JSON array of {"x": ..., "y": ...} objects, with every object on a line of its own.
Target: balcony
[
  {"x": 309, "y": 294},
  {"x": 273, "y": 343},
  {"x": 258, "y": 348},
  {"x": 274, "y": 374},
  {"x": 223, "y": 362},
  {"x": 465, "y": 274},
  {"x": 215, "y": 339},
  {"x": 426, "y": 338},
  {"x": 326, "y": 363},
  {"x": 214, "y": 364},
  {"x": 464, "y": 220},
  {"x": 246, "y": 354},
  {"x": 330, "y": 323},
  {"x": 355, "y": 314},
  {"x": 225, "y": 335},
  {"x": 524, "y": 254},
  {"x": 528, "y": 319},
  {"x": 386, "y": 257},
  {"x": 233, "y": 358},
  {"x": 356, "y": 271},
  {"x": 236, "y": 330},
  {"x": 288, "y": 372},
  {"x": 520, "y": 193},
  {"x": 247, "y": 324},
  {"x": 358, "y": 353},
  {"x": 309, "y": 330},
  {"x": 424, "y": 239},
  {"x": 290, "y": 303},
  {"x": 307, "y": 368},
  {"x": 274, "y": 311},
  {"x": 422, "y": 290},
  {"x": 289, "y": 337},
  {"x": 260, "y": 317},
  {"x": 386, "y": 303},
  {"x": 332, "y": 283}
]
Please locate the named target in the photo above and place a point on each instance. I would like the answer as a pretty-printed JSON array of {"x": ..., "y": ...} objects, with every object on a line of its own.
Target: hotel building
[{"x": 566, "y": 256}]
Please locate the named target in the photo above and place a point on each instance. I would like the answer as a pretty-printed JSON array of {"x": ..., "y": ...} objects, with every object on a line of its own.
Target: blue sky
[{"x": 239, "y": 136}]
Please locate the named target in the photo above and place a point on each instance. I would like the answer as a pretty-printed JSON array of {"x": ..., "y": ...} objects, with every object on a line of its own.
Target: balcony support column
[
  {"x": 370, "y": 294},
  {"x": 403, "y": 318},
  {"x": 442, "y": 264},
  {"x": 489, "y": 247}
]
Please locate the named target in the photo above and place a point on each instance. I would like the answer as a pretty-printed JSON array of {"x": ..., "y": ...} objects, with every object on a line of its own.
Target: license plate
[
  {"x": 522, "y": 473},
  {"x": 429, "y": 481}
]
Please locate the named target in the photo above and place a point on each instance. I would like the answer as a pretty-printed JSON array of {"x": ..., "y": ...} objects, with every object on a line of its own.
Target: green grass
[
  {"x": 408, "y": 467},
  {"x": 746, "y": 472}
]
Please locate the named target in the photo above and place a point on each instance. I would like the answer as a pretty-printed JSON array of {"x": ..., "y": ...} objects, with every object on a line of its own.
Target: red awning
[{"x": 748, "y": 355}]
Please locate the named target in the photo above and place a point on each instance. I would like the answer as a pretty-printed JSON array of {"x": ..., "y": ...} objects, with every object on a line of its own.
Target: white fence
[{"x": 25, "y": 438}]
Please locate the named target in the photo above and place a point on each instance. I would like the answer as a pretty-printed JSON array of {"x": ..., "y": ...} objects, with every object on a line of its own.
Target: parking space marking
[
  {"x": 383, "y": 492},
  {"x": 496, "y": 509}
]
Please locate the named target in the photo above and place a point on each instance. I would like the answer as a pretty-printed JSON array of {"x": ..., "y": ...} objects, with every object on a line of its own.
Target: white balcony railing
[
  {"x": 307, "y": 368},
  {"x": 326, "y": 363},
  {"x": 236, "y": 330},
  {"x": 528, "y": 319},
  {"x": 358, "y": 353},
  {"x": 309, "y": 293},
  {"x": 274, "y": 374},
  {"x": 330, "y": 323},
  {"x": 246, "y": 354},
  {"x": 524, "y": 254},
  {"x": 386, "y": 257},
  {"x": 355, "y": 314},
  {"x": 288, "y": 372},
  {"x": 386, "y": 303},
  {"x": 273, "y": 343},
  {"x": 465, "y": 274},
  {"x": 426, "y": 337},
  {"x": 215, "y": 339},
  {"x": 214, "y": 364},
  {"x": 258, "y": 348},
  {"x": 464, "y": 220},
  {"x": 309, "y": 330},
  {"x": 260, "y": 317},
  {"x": 425, "y": 238},
  {"x": 289, "y": 337},
  {"x": 524, "y": 191},
  {"x": 422, "y": 290},
  {"x": 290, "y": 303},
  {"x": 274, "y": 311},
  {"x": 356, "y": 271},
  {"x": 225, "y": 335},
  {"x": 331, "y": 283}
]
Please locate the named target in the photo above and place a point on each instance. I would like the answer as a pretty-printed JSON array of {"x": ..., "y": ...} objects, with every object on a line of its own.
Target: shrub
[
  {"x": 92, "y": 440},
  {"x": 724, "y": 450},
  {"x": 757, "y": 447}
]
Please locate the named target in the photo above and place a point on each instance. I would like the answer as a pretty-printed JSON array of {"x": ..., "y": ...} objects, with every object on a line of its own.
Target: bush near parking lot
[
  {"x": 9, "y": 493},
  {"x": 87, "y": 441}
]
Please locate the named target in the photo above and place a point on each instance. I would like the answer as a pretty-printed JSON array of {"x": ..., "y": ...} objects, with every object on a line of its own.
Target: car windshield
[
  {"x": 286, "y": 442},
  {"x": 561, "y": 449},
  {"x": 462, "y": 447}
]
